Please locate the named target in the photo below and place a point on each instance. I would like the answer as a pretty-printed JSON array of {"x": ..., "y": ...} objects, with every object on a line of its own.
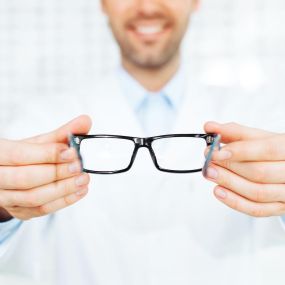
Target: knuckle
[
  {"x": 56, "y": 172},
  {"x": 59, "y": 172},
  {"x": 68, "y": 201},
  {"x": 260, "y": 195},
  {"x": 64, "y": 187},
  {"x": 256, "y": 212},
  {"x": 260, "y": 173},
  {"x": 52, "y": 152},
  {"x": 43, "y": 210},
  {"x": 226, "y": 164},
  {"x": 225, "y": 180}
]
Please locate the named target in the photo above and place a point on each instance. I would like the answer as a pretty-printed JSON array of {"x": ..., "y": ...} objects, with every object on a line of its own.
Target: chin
[
  {"x": 149, "y": 63},
  {"x": 152, "y": 61}
]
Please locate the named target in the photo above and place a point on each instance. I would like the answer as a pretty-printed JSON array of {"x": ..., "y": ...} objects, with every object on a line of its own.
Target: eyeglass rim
[{"x": 208, "y": 137}]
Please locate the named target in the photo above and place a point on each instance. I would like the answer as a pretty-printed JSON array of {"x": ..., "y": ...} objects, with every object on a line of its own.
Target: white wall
[{"x": 48, "y": 45}]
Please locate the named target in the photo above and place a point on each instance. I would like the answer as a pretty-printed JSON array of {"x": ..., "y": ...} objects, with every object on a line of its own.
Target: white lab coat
[{"x": 146, "y": 227}]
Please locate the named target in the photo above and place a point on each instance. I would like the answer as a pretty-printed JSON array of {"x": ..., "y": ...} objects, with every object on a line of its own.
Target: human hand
[
  {"x": 249, "y": 170},
  {"x": 41, "y": 175}
]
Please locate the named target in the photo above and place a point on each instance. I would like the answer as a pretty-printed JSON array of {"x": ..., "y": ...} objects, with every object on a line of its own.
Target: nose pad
[
  {"x": 152, "y": 155},
  {"x": 144, "y": 143}
]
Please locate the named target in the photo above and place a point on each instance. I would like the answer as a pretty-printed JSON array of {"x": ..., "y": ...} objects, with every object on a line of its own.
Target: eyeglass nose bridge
[{"x": 142, "y": 142}]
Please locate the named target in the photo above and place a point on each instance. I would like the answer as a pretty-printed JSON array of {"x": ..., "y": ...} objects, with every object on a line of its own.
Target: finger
[
  {"x": 80, "y": 125},
  {"x": 14, "y": 153},
  {"x": 246, "y": 206},
  {"x": 259, "y": 172},
  {"x": 44, "y": 194},
  {"x": 23, "y": 213},
  {"x": 232, "y": 132},
  {"x": 256, "y": 192},
  {"x": 61, "y": 202},
  {"x": 268, "y": 149},
  {"x": 32, "y": 176}
]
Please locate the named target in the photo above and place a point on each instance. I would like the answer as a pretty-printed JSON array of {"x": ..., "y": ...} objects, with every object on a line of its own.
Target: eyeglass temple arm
[
  {"x": 214, "y": 145},
  {"x": 75, "y": 144}
]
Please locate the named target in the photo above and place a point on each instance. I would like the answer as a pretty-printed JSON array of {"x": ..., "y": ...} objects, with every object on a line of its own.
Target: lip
[{"x": 149, "y": 31}]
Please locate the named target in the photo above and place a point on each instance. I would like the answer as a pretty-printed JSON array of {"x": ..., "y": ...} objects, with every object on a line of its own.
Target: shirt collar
[{"x": 135, "y": 93}]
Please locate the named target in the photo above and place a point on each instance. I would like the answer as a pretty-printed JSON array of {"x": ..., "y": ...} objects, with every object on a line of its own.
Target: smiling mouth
[{"x": 148, "y": 31}]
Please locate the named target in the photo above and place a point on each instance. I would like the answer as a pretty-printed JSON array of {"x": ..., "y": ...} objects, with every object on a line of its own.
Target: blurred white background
[{"x": 49, "y": 46}]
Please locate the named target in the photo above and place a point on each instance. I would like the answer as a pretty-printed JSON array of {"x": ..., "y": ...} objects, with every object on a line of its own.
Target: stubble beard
[
  {"x": 155, "y": 59},
  {"x": 150, "y": 60}
]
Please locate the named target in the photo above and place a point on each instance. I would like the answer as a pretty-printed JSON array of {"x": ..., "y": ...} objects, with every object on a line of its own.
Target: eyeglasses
[{"x": 112, "y": 154}]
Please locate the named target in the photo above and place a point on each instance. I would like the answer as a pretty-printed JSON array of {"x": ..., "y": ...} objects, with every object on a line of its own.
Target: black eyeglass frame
[{"x": 75, "y": 141}]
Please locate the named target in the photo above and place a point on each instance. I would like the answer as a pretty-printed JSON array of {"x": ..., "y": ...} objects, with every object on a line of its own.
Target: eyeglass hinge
[
  {"x": 210, "y": 139},
  {"x": 77, "y": 140}
]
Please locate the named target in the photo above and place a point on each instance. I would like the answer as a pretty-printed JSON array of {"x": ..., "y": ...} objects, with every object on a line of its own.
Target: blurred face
[{"x": 149, "y": 32}]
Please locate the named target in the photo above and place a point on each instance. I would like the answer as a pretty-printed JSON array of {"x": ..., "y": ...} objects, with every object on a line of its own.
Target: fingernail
[
  {"x": 223, "y": 154},
  {"x": 220, "y": 193},
  {"x": 81, "y": 180},
  {"x": 212, "y": 173},
  {"x": 67, "y": 154},
  {"x": 74, "y": 167},
  {"x": 82, "y": 192}
]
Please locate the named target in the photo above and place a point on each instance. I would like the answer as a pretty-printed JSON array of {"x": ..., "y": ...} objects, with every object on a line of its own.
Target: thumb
[
  {"x": 79, "y": 125},
  {"x": 231, "y": 132}
]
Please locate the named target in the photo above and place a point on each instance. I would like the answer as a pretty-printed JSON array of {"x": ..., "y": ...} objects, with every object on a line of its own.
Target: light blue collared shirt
[
  {"x": 156, "y": 111},
  {"x": 7, "y": 229}
]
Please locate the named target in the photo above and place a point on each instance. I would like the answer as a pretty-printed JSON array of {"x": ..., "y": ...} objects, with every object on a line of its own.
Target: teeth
[{"x": 149, "y": 30}]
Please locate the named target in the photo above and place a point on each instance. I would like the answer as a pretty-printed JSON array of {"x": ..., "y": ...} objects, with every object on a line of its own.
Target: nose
[{"x": 148, "y": 7}]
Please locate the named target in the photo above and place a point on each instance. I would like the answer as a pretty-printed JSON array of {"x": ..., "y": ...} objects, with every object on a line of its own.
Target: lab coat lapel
[
  {"x": 111, "y": 111},
  {"x": 198, "y": 107}
]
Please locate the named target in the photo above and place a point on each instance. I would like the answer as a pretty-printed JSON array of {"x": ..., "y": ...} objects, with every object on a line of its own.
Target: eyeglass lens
[{"x": 113, "y": 154}]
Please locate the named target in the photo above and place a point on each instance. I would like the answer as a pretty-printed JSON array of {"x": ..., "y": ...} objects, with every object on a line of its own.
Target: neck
[{"x": 153, "y": 79}]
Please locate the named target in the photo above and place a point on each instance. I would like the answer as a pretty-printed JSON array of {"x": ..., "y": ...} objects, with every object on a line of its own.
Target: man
[{"x": 145, "y": 227}]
